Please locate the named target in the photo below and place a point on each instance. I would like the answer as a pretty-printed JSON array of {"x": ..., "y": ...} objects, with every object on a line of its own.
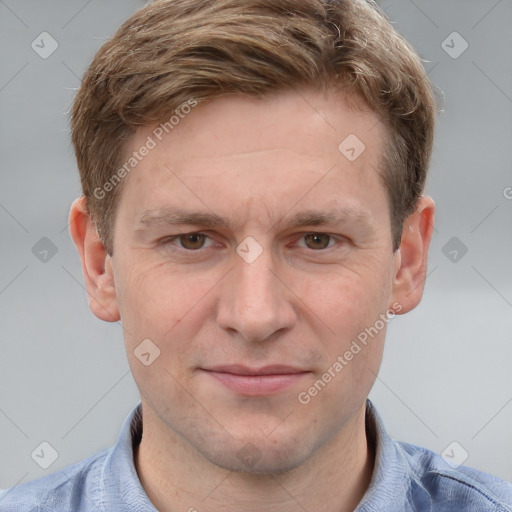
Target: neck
[{"x": 176, "y": 477}]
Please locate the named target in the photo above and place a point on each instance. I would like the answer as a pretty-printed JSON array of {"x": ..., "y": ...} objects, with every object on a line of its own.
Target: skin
[{"x": 257, "y": 164}]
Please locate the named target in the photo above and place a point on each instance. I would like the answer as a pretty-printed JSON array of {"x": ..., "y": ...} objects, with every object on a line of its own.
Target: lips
[
  {"x": 261, "y": 381},
  {"x": 276, "y": 369}
]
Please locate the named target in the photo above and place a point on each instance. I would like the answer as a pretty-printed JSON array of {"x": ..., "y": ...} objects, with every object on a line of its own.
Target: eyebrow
[
  {"x": 338, "y": 216},
  {"x": 178, "y": 216}
]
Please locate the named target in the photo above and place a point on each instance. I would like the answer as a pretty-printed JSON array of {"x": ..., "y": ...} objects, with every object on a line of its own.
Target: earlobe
[
  {"x": 96, "y": 263},
  {"x": 412, "y": 256}
]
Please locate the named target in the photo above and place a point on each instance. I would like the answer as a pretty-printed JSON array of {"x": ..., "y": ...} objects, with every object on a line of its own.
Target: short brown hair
[{"x": 174, "y": 50}]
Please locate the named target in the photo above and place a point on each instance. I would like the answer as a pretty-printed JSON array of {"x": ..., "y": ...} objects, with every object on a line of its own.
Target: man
[{"x": 253, "y": 214}]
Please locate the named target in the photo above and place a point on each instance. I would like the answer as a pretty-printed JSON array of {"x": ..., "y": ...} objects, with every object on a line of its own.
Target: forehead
[{"x": 237, "y": 152}]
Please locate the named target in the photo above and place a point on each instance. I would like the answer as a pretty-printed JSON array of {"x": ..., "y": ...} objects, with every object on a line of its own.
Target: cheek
[
  {"x": 350, "y": 303},
  {"x": 352, "y": 355},
  {"x": 160, "y": 318},
  {"x": 347, "y": 300},
  {"x": 154, "y": 301}
]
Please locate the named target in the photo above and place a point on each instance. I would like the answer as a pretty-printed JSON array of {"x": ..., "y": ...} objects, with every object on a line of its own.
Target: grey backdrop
[{"x": 446, "y": 375}]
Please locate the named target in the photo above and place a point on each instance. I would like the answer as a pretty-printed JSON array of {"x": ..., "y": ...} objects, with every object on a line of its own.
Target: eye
[
  {"x": 318, "y": 241},
  {"x": 190, "y": 246},
  {"x": 192, "y": 241}
]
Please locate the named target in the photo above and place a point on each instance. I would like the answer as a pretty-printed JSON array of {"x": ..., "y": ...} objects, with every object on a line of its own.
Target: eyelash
[{"x": 176, "y": 238}]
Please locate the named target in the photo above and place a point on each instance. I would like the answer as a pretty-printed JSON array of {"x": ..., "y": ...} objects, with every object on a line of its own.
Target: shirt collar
[
  {"x": 393, "y": 486},
  {"x": 123, "y": 490}
]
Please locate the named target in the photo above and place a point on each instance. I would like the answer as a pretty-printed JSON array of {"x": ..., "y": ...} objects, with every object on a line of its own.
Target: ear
[
  {"x": 412, "y": 256},
  {"x": 96, "y": 263}
]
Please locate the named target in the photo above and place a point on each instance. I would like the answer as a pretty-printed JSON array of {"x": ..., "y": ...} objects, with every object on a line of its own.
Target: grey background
[{"x": 446, "y": 374}]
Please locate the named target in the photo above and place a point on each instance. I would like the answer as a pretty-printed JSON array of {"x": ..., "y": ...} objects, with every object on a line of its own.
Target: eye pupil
[
  {"x": 192, "y": 241},
  {"x": 317, "y": 240}
]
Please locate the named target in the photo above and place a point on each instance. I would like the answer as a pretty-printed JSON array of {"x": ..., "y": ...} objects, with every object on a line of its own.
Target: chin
[{"x": 258, "y": 457}]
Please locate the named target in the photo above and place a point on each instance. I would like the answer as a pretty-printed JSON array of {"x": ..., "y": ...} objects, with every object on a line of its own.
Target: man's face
[{"x": 290, "y": 260}]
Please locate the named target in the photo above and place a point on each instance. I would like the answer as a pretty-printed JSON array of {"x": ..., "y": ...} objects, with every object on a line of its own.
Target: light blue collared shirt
[{"x": 405, "y": 478}]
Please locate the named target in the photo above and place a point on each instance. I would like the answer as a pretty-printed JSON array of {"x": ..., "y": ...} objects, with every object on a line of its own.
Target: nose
[{"x": 255, "y": 303}]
